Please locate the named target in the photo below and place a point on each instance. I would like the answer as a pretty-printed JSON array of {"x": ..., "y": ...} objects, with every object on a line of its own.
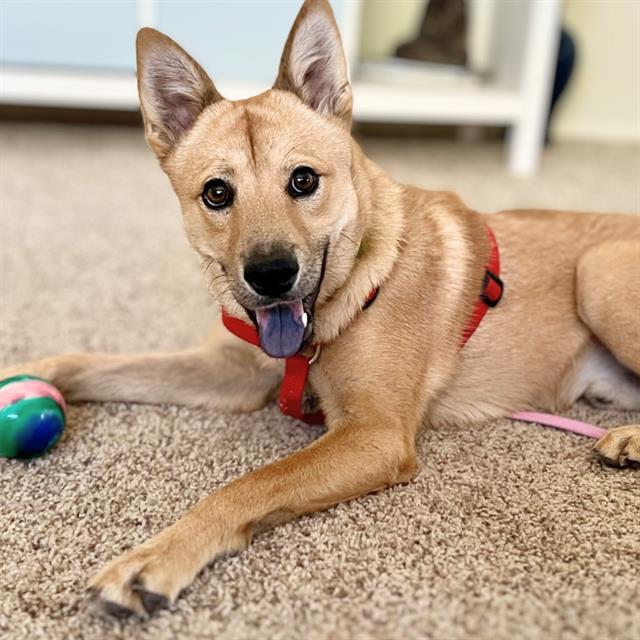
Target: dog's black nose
[{"x": 272, "y": 276}]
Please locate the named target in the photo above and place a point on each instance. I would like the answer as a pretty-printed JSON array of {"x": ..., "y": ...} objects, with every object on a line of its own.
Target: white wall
[
  {"x": 603, "y": 99},
  {"x": 386, "y": 24}
]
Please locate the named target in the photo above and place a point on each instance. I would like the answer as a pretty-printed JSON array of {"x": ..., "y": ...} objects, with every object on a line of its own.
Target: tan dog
[{"x": 290, "y": 219}]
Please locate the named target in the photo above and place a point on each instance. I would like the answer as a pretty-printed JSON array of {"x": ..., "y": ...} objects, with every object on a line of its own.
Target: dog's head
[{"x": 265, "y": 184}]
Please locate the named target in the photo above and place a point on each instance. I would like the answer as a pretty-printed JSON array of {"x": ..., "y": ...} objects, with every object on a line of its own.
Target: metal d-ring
[{"x": 316, "y": 355}]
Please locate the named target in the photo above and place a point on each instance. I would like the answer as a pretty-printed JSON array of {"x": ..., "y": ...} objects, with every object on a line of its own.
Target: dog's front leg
[
  {"x": 351, "y": 459},
  {"x": 224, "y": 374}
]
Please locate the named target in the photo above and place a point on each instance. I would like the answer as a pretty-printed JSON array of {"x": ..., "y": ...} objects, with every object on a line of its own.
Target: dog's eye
[
  {"x": 217, "y": 194},
  {"x": 303, "y": 182}
]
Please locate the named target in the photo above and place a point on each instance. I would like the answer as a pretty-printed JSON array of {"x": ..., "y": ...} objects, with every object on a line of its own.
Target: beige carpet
[{"x": 509, "y": 531}]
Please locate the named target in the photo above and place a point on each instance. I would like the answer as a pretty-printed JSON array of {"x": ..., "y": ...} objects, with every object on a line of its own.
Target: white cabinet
[
  {"x": 239, "y": 42},
  {"x": 80, "y": 53},
  {"x": 68, "y": 34}
]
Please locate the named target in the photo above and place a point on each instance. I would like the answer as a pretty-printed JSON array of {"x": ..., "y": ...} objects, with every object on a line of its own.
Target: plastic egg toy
[{"x": 32, "y": 416}]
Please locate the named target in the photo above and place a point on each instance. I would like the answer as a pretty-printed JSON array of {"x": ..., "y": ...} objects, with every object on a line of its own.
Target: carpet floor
[{"x": 508, "y": 531}]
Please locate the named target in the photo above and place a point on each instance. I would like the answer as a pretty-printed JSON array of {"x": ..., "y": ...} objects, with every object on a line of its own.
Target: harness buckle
[{"x": 492, "y": 289}]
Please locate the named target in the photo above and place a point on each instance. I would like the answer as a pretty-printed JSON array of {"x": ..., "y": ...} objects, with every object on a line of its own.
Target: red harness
[
  {"x": 296, "y": 368},
  {"x": 491, "y": 292}
]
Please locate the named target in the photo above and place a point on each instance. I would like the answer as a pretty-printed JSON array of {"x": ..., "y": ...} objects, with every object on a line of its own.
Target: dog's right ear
[{"x": 174, "y": 90}]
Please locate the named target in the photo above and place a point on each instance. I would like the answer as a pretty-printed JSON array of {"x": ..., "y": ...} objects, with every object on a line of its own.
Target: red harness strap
[
  {"x": 296, "y": 372},
  {"x": 296, "y": 368},
  {"x": 492, "y": 288},
  {"x": 241, "y": 329}
]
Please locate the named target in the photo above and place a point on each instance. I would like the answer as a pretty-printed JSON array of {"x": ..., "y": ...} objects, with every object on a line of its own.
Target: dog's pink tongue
[{"x": 281, "y": 328}]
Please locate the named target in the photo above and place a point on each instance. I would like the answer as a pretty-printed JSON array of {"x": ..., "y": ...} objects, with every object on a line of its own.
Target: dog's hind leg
[
  {"x": 604, "y": 383},
  {"x": 608, "y": 283},
  {"x": 225, "y": 373},
  {"x": 608, "y": 290}
]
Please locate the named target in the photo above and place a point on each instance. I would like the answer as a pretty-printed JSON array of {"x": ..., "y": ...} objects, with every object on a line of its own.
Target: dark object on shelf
[
  {"x": 564, "y": 70},
  {"x": 442, "y": 35}
]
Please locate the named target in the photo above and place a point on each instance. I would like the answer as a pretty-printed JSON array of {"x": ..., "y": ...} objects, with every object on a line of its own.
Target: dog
[{"x": 373, "y": 289}]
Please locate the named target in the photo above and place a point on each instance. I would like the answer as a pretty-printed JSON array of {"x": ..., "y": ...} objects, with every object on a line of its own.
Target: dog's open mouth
[{"x": 282, "y": 328}]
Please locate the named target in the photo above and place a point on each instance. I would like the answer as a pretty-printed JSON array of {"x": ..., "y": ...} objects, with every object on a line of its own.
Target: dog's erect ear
[
  {"x": 174, "y": 89},
  {"x": 313, "y": 65}
]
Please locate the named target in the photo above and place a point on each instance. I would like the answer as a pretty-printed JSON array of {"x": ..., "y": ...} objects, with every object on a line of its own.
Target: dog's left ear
[{"x": 313, "y": 65}]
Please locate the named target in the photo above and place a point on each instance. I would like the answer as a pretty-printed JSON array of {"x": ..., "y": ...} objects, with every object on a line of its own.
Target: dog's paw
[
  {"x": 620, "y": 447},
  {"x": 139, "y": 582}
]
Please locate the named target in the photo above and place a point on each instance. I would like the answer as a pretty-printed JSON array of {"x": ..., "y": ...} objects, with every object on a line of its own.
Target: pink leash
[{"x": 558, "y": 422}]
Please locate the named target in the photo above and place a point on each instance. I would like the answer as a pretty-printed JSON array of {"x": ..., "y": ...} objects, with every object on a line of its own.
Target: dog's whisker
[
  {"x": 349, "y": 238},
  {"x": 211, "y": 262},
  {"x": 227, "y": 290},
  {"x": 220, "y": 276}
]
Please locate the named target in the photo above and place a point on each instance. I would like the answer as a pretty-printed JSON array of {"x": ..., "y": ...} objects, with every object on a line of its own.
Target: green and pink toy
[{"x": 32, "y": 416}]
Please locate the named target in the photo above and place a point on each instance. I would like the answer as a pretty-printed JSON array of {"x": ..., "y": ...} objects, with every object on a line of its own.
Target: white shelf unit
[{"x": 516, "y": 93}]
